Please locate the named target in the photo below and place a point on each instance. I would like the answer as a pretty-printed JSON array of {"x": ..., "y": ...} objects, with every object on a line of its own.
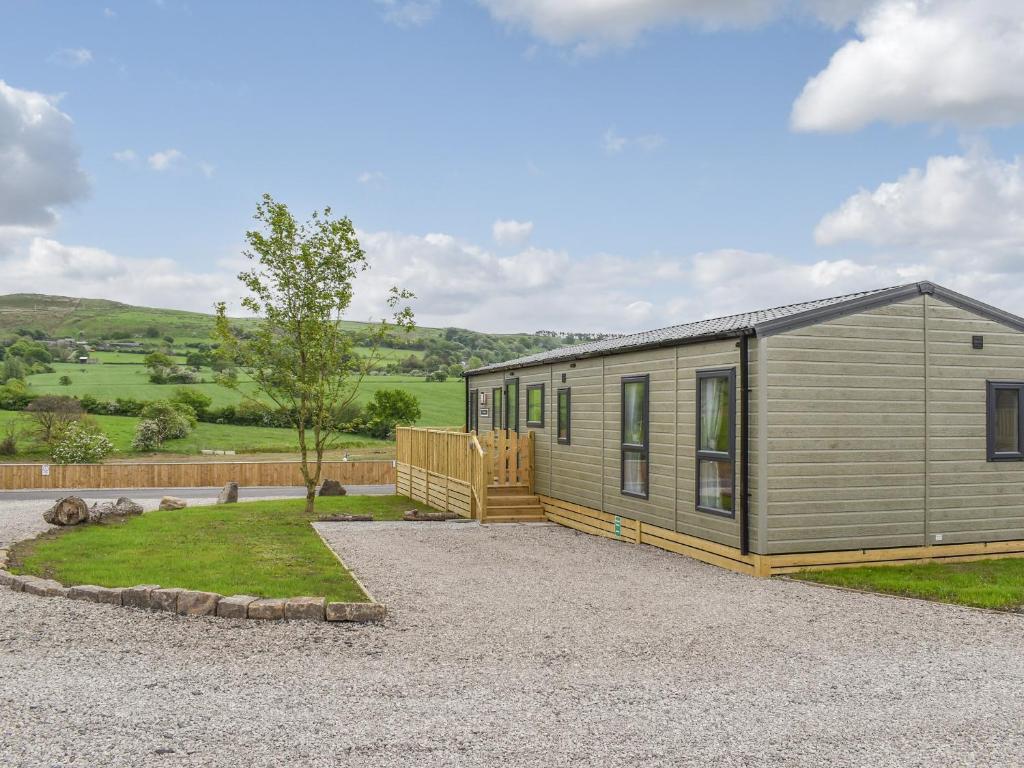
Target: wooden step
[
  {"x": 507, "y": 490},
  {"x": 515, "y": 519},
  {"x": 512, "y": 501}
]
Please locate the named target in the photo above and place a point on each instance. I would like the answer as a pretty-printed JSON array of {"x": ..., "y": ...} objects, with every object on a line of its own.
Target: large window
[
  {"x": 535, "y": 405},
  {"x": 1005, "y": 426},
  {"x": 474, "y": 410},
  {"x": 512, "y": 405},
  {"x": 563, "y": 409},
  {"x": 716, "y": 441},
  {"x": 497, "y": 412},
  {"x": 635, "y": 440}
]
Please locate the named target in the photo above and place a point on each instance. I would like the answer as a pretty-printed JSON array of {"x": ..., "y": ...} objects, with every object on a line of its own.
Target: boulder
[
  {"x": 304, "y": 609},
  {"x": 228, "y": 494},
  {"x": 139, "y": 596},
  {"x": 172, "y": 502},
  {"x": 268, "y": 609},
  {"x": 195, "y": 603},
  {"x": 332, "y": 488},
  {"x": 71, "y": 510},
  {"x": 361, "y": 612},
  {"x": 126, "y": 506},
  {"x": 235, "y": 607},
  {"x": 100, "y": 512},
  {"x": 93, "y": 594}
]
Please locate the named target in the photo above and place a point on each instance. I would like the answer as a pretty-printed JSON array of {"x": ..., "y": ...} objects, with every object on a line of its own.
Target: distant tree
[
  {"x": 152, "y": 332},
  {"x": 64, "y": 381},
  {"x": 13, "y": 369},
  {"x": 30, "y": 352},
  {"x": 474, "y": 362},
  {"x": 160, "y": 365},
  {"x": 193, "y": 398},
  {"x": 390, "y": 407},
  {"x": 51, "y": 415},
  {"x": 169, "y": 339},
  {"x": 300, "y": 357}
]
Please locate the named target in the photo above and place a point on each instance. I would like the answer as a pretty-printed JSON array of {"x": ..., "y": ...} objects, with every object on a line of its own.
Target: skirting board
[{"x": 611, "y": 526}]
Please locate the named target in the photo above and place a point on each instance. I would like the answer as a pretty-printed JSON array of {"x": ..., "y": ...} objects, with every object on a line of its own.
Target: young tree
[
  {"x": 388, "y": 409},
  {"x": 300, "y": 357},
  {"x": 52, "y": 414}
]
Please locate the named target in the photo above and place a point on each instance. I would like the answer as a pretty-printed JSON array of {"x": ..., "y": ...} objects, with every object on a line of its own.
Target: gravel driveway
[{"x": 518, "y": 646}]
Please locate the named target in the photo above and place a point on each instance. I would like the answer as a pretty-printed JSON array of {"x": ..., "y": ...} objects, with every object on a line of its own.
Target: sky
[{"x": 568, "y": 165}]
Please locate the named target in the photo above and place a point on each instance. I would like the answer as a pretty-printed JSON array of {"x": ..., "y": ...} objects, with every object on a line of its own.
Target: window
[
  {"x": 474, "y": 410},
  {"x": 497, "y": 413},
  {"x": 716, "y": 441},
  {"x": 635, "y": 423},
  {"x": 562, "y": 414},
  {"x": 1005, "y": 426},
  {"x": 512, "y": 404},
  {"x": 535, "y": 405}
]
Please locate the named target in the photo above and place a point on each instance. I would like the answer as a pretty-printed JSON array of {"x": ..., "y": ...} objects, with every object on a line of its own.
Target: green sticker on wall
[{"x": 618, "y": 525}]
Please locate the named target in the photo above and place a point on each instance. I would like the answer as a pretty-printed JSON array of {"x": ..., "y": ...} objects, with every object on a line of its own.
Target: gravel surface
[{"x": 518, "y": 646}]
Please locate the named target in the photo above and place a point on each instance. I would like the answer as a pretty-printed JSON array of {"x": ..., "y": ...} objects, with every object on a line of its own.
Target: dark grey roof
[{"x": 762, "y": 322}]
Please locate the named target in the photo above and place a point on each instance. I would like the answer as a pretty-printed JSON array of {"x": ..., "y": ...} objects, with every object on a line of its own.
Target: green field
[
  {"x": 216, "y": 437},
  {"x": 441, "y": 402},
  {"x": 259, "y": 548}
]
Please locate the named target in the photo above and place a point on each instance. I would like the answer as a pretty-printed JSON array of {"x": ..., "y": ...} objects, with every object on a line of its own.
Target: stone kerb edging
[{"x": 188, "y": 602}]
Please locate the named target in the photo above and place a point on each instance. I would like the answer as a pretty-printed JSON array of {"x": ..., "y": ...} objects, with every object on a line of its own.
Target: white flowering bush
[
  {"x": 77, "y": 444},
  {"x": 149, "y": 435}
]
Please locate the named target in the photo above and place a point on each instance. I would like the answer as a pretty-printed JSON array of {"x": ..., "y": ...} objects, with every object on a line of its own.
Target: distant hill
[{"x": 94, "y": 319}]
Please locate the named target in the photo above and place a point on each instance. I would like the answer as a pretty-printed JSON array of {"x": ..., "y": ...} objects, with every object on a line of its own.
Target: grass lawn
[
  {"x": 120, "y": 430},
  {"x": 261, "y": 548},
  {"x": 442, "y": 403},
  {"x": 997, "y": 584}
]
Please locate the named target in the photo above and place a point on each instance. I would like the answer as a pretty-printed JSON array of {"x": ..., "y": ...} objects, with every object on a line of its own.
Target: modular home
[{"x": 882, "y": 426}]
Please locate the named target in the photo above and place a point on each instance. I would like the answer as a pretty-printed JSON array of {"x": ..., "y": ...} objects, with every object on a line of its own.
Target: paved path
[{"x": 519, "y": 646}]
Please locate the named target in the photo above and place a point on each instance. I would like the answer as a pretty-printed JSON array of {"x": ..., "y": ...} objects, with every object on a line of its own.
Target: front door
[{"x": 512, "y": 405}]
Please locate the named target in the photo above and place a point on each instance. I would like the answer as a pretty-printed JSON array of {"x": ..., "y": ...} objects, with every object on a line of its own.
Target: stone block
[
  {"x": 164, "y": 600},
  {"x": 195, "y": 603},
  {"x": 139, "y": 596},
  {"x": 268, "y": 609},
  {"x": 93, "y": 594},
  {"x": 360, "y": 612},
  {"x": 6, "y": 578},
  {"x": 235, "y": 607},
  {"x": 172, "y": 502},
  {"x": 304, "y": 609},
  {"x": 44, "y": 587}
]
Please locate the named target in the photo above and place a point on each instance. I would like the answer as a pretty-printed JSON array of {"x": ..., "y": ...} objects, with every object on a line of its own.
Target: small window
[
  {"x": 474, "y": 410},
  {"x": 1005, "y": 426},
  {"x": 563, "y": 409},
  {"x": 497, "y": 412},
  {"x": 535, "y": 405},
  {"x": 635, "y": 441},
  {"x": 512, "y": 405},
  {"x": 716, "y": 441}
]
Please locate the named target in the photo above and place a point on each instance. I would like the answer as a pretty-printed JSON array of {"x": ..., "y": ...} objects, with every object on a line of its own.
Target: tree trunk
[{"x": 310, "y": 499}]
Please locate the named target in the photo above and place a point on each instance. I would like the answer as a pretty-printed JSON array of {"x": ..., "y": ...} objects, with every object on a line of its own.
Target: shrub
[
  {"x": 80, "y": 444},
  {"x": 14, "y": 395},
  {"x": 9, "y": 442},
  {"x": 148, "y": 436},
  {"x": 64, "y": 381},
  {"x": 52, "y": 414},
  {"x": 197, "y": 401},
  {"x": 13, "y": 369},
  {"x": 174, "y": 420},
  {"x": 389, "y": 408}
]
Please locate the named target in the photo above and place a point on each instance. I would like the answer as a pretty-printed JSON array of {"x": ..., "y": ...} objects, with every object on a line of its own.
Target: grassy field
[
  {"x": 120, "y": 430},
  {"x": 997, "y": 584},
  {"x": 442, "y": 403},
  {"x": 260, "y": 548}
]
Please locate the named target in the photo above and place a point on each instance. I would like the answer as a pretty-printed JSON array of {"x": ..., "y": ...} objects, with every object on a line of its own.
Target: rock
[
  {"x": 45, "y": 587},
  {"x": 268, "y": 609},
  {"x": 346, "y": 519},
  {"x": 235, "y": 607},
  {"x": 3, "y": 558},
  {"x": 100, "y": 512},
  {"x": 139, "y": 596},
  {"x": 195, "y": 603},
  {"x": 228, "y": 494},
  {"x": 14, "y": 581},
  {"x": 71, "y": 510},
  {"x": 126, "y": 506},
  {"x": 332, "y": 488},
  {"x": 414, "y": 515},
  {"x": 362, "y": 612},
  {"x": 164, "y": 600},
  {"x": 6, "y": 578},
  {"x": 304, "y": 609},
  {"x": 93, "y": 594},
  {"x": 172, "y": 502}
]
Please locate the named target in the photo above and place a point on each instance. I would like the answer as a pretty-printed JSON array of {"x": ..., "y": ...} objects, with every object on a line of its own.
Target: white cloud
[
  {"x": 39, "y": 162},
  {"x": 109, "y": 13},
  {"x": 207, "y": 169},
  {"x": 161, "y": 161},
  {"x": 409, "y": 13},
  {"x": 125, "y": 156},
  {"x": 615, "y": 144},
  {"x": 922, "y": 60},
  {"x": 375, "y": 178},
  {"x": 511, "y": 232},
  {"x": 72, "y": 57}
]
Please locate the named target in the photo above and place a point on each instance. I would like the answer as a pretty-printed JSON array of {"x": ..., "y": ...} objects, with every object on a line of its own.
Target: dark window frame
[
  {"x": 474, "y": 411},
  {"x": 704, "y": 455},
  {"x": 497, "y": 413},
  {"x": 643, "y": 449},
  {"x": 567, "y": 440},
  {"x": 529, "y": 388},
  {"x": 510, "y": 402},
  {"x": 991, "y": 387}
]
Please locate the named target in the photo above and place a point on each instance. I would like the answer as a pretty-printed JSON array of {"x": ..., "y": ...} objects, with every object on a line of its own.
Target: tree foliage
[
  {"x": 300, "y": 357},
  {"x": 51, "y": 415}
]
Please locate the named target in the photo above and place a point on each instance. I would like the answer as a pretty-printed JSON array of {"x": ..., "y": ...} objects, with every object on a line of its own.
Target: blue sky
[{"x": 653, "y": 161}]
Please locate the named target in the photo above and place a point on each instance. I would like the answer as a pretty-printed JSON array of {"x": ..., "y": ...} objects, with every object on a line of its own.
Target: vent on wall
[{"x": 977, "y": 342}]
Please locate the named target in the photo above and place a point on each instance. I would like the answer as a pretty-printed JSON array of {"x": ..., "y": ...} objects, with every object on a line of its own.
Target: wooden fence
[
  {"x": 446, "y": 470},
  {"x": 187, "y": 475}
]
